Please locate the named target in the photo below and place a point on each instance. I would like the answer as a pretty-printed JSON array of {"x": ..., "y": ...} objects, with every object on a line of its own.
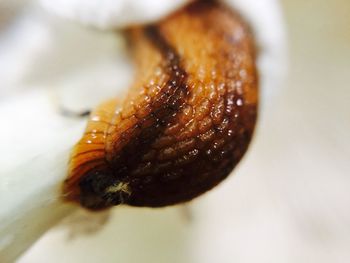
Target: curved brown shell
[{"x": 185, "y": 122}]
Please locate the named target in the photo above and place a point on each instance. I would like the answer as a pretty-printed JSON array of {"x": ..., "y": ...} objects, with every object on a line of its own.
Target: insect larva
[{"x": 187, "y": 119}]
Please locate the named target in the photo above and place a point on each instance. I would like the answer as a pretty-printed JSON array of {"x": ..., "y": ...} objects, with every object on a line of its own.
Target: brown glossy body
[{"x": 186, "y": 121}]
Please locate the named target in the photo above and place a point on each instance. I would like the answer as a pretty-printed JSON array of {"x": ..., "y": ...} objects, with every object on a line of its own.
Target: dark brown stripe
[
  {"x": 168, "y": 52},
  {"x": 167, "y": 102}
]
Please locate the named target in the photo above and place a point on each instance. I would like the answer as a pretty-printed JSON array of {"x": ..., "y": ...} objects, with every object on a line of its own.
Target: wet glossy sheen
[{"x": 186, "y": 121}]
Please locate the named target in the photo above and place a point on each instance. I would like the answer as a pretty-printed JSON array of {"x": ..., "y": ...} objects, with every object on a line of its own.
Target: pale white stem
[
  {"x": 35, "y": 146},
  {"x": 31, "y": 203}
]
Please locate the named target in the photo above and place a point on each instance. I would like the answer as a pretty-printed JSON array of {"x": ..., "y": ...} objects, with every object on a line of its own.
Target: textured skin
[{"x": 185, "y": 122}]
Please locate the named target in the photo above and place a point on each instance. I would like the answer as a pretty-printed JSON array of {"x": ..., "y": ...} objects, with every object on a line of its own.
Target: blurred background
[{"x": 289, "y": 199}]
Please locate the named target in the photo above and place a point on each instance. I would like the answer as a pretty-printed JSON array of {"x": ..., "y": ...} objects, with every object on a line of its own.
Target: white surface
[
  {"x": 110, "y": 13},
  {"x": 30, "y": 203}
]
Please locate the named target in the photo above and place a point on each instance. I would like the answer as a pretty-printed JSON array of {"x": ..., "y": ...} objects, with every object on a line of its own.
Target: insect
[{"x": 184, "y": 124}]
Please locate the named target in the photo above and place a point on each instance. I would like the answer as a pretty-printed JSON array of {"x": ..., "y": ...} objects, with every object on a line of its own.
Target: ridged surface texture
[{"x": 185, "y": 122}]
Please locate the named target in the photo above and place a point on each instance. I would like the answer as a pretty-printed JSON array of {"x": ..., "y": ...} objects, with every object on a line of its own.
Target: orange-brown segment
[{"x": 187, "y": 119}]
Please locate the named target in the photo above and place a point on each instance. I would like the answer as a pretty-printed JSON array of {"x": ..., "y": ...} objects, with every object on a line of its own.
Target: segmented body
[{"x": 186, "y": 121}]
